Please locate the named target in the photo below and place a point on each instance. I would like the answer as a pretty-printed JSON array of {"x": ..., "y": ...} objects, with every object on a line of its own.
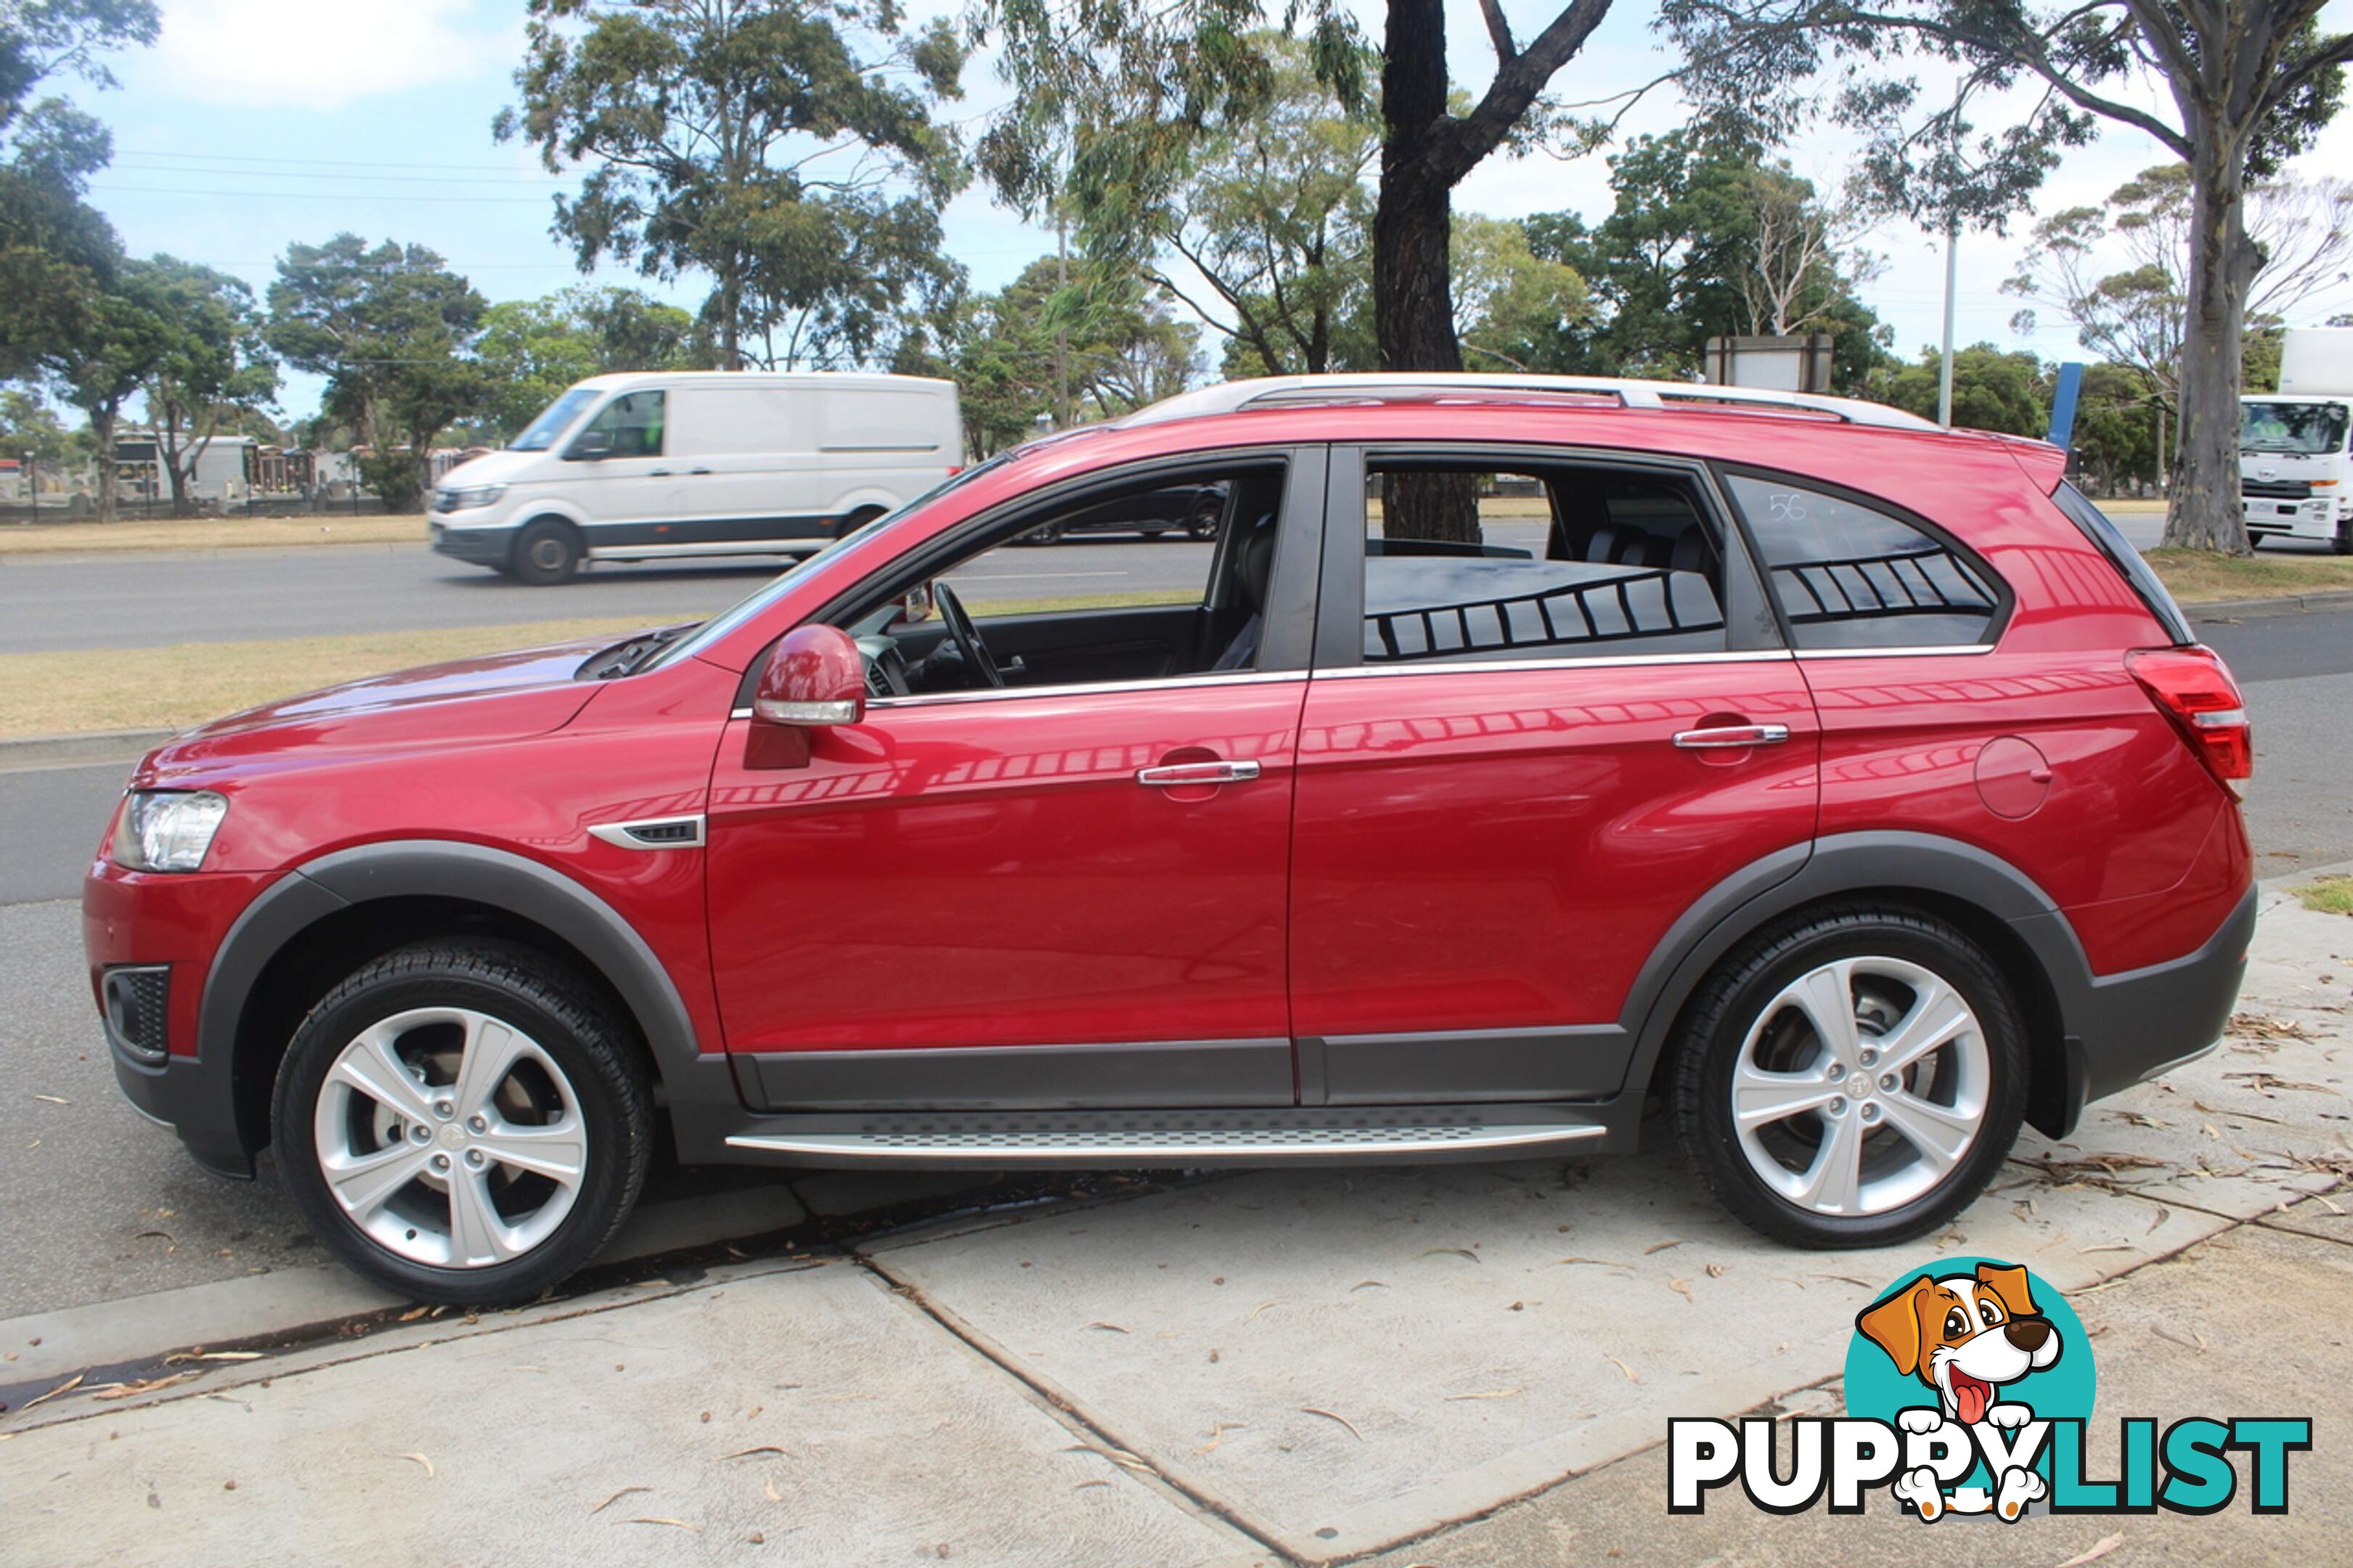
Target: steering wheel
[{"x": 967, "y": 636}]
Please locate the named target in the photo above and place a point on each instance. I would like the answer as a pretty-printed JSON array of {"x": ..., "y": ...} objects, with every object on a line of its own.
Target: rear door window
[
  {"x": 1568, "y": 561},
  {"x": 1849, "y": 574}
]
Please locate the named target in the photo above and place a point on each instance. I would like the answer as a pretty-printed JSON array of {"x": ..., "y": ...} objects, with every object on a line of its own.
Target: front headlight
[
  {"x": 167, "y": 830},
  {"x": 470, "y": 497}
]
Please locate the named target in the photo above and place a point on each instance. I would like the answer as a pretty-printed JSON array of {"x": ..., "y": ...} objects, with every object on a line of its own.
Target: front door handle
[
  {"x": 1725, "y": 736},
  {"x": 657, "y": 473},
  {"x": 1169, "y": 775},
  {"x": 698, "y": 470}
]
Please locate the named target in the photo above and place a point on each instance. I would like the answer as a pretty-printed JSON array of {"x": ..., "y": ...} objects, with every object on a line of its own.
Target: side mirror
[
  {"x": 590, "y": 447},
  {"x": 814, "y": 676}
]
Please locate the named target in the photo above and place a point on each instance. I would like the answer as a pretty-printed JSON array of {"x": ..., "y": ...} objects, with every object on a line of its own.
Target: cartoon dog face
[{"x": 1964, "y": 1335}]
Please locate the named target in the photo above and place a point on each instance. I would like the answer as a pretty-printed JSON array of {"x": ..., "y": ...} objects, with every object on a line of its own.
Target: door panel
[
  {"x": 984, "y": 872},
  {"x": 1501, "y": 849}
]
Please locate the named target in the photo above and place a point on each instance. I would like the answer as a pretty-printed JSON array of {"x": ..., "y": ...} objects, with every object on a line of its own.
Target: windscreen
[
  {"x": 2308, "y": 429},
  {"x": 541, "y": 433}
]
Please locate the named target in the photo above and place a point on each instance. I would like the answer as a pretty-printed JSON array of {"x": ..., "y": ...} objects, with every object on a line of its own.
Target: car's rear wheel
[
  {"x": 546, "y": 552},
  {"x": 1203, "y": 524},
  {"x": 463, "y": 1122},
  {"x": 1852, "y": 1077}
]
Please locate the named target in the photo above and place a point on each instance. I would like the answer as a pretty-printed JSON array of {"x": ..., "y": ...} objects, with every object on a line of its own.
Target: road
[{"x": 50, "y": 602}]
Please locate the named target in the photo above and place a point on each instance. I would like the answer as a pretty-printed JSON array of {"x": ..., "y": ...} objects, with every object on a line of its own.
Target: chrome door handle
[
  {"x": 657, "y": 473},
  {"x": 1731, "y": 735},
  {"x": 1169, "y": 774},
  {"x": 698, "y": 470}
]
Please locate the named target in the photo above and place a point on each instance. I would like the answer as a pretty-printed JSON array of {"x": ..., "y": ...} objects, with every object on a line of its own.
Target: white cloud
[{"x": 320, "y": 54}]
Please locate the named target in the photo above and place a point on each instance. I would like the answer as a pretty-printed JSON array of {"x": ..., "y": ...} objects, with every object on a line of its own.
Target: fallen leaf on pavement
[
  {"x": 2099, "y": 1549},
  {"x": 125, "y": 1390},
  {"x": 1491, "y": 1393},
  {"x": 1661, "y": 1246},
  {"x": 743, "y": 1453},
  {"x": 769, "y": 1486},
  {"x": 53, "y": 1100},
  {"x": 1681, "y": 1287},
  {"x": 1218, "y": 1433},
  {"x": 422, "y": 1460},
  {"x": 1261, "y": 1307},
  {"x": 68, "y": 1386},
  {"x": 178, "y": 1356},
  {"x": 1604, "y": 1262},
  {"x": 1368, "y": 1284},
  {"x": 673, "y": 1523},
  {"x": 1085, "y": 1485},
  {"x": 615, "y": 1497},
  {"x": 1114, "y": 1328},
  {"x": 1716, "y": 1270},
  {"x": 1328, "y": 1415},
  {"x": 1457, "y": 1251},
  {"x": 2199, "y": 1347},
  {"x": 1631, "y": 1376}
]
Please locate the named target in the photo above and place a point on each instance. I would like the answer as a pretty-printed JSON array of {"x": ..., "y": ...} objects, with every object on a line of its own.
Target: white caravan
[
  {"x": 642, "y": 466},
  {"x": 2296, "y": 446}
]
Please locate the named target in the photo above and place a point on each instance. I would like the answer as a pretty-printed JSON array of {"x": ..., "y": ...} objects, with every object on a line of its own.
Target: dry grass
[
  {"x": 171, "y": 688},
  {"x": 2198, "y": 575},
  {"x": 2328, "y": 896},
  {"x": 208, "y": 533}
]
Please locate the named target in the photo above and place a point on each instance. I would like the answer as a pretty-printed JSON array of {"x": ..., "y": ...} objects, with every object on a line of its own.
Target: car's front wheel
[
  {"x": 464, "y": 1123},
  {"x": 1852, "y": 1077}
]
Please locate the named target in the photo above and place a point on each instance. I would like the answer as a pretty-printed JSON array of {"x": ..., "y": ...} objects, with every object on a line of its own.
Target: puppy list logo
[{"x": 1967, "y": 1390}]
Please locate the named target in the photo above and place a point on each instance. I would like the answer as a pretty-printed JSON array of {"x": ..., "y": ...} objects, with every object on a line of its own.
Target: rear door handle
[
  {"x": 1731, "y": 735},
  {"x": 1170, "y": 774},
  {"x": 657, "y": 473},
  {"x": 698, "y": 470}
]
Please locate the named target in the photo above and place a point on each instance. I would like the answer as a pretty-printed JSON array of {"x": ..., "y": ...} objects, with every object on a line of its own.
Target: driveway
[{"x": 1446, "y": 1364}]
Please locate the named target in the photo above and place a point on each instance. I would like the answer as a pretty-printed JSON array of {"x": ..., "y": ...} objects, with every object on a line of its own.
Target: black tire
[
  {"x": 1203, "y": 526},
  {"x": 547, "y": 551},
  {"x": 1151, "y": 534},
  {"x": 2343, "y": 544},
  {"x": 1728, "y": 1003},
  {"x": 554, "y": 1007},
  {"x": 856, "y": 521}
]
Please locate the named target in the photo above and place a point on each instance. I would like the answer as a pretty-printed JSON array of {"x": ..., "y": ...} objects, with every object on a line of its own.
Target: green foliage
[
  {"x": 29, "y": 429},
  {"x": 214, "y": 367},
  {"x": 57, "y": 254},
  {"x": 1991, "y": 390},
  {"x": 391, "y": 329},
  {"x": 1513, "y": 307},
  {"x": 1266, "y": 227},
  {"x": 1705, "y": 239},
  {"x": 1122, "y": 349},
  {"x": 766, "y": 143},
  {"x": 2115, "y": 440},
  {"x": 533, "y": 349}
]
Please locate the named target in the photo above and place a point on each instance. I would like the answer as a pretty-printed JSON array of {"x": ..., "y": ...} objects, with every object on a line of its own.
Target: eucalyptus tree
[{"x": 785, "y": 148}]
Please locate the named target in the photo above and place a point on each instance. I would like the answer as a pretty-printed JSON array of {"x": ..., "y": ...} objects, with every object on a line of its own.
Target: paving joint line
[{"x": 1066, "y": 1409}]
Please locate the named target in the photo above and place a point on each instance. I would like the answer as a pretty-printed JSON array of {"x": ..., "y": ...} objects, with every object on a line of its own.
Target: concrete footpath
[{"x": 1438, "y": 1365}]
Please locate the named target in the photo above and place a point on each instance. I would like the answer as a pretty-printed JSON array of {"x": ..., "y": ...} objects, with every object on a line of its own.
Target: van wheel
[
  {"x": 1850, "y": 1077},
  {"x": 546, "y": 552},
  {"x": 2343, "y": 542},
  {"x": 856, "y": 521},
  {"x": 463, "y": 1122}
]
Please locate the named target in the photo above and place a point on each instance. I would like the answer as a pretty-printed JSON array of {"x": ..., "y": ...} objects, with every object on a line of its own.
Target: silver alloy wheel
[
  {"x": 1861, "y": 1086},
  {"x": 549, "y": 553},
  {"x": 450, "y": 1138}
]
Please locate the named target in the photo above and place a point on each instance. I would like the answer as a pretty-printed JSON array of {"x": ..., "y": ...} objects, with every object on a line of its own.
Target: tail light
[{"x": 2193, "y": 686}]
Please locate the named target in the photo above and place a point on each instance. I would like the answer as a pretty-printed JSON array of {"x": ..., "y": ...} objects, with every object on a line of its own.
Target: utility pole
[
  {"x": 1952, "y": 279},
  {"x": 1062, "y": 332}
]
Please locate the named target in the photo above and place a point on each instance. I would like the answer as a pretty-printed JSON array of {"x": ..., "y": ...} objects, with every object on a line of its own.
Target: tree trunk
[
  {"x": 102, "y": 430},
  {"x": 2203, "y": 510},
  {"x": 1413, "y": 227}
]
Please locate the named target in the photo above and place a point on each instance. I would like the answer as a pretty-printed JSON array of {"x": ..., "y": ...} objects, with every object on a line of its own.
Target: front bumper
[
  {"x": 482, "y": 546},
  {"x": 2315, "y": 518}
]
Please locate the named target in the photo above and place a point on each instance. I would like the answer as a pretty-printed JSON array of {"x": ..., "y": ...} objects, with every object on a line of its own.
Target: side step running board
[{"x": 1003, "y": 1141}]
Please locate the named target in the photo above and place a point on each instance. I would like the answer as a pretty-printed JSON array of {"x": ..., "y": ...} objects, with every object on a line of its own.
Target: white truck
[{"x": 2296, "y": 446}]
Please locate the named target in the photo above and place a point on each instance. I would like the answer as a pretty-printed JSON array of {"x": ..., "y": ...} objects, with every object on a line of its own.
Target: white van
[{"x": 643, "y": 467}]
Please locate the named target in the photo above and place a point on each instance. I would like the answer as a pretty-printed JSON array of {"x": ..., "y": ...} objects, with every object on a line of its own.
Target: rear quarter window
[
  {"x": 2112, "y": 544},
  {"x": 1849, "y": 574}
]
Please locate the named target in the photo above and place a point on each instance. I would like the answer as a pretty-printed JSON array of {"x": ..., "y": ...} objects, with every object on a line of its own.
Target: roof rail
[{"x": 1294, "y": 391}]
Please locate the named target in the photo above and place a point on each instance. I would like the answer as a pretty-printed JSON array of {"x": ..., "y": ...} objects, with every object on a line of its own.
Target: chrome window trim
[
  {"x": 1085, "y": 688},
  {"x": 1912, "y": 651},
  {"x": 1610, "y": 661},
  {"x": 624, "y": 834}
]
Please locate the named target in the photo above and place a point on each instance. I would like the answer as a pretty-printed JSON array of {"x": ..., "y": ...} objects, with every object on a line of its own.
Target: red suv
[{"x": 1845, "y": 787}]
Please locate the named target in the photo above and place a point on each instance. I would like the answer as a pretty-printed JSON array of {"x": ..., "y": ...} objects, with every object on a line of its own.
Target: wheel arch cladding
[
  {"x": 1984, "y": 896},
  {"x": 312, "y": 928}
]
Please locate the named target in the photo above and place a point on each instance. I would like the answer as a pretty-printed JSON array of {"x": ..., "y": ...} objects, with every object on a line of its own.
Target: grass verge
[
  {"x": 86, "y": 689},
  {"x": 2328, "y": 896},
  {"x": 208, "y": 533},
  {"x": 2196, "y": 577}
]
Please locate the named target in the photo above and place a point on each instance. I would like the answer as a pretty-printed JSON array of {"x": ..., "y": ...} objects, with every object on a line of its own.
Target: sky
[{"x": 256, "y": 123}]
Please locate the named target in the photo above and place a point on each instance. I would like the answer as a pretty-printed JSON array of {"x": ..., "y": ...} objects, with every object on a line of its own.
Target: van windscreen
[{"x": 541, "y": 433}]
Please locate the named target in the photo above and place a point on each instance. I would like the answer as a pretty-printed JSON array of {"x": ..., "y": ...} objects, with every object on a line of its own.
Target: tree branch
[
  {"x": 1499, "y": 31},
  {"x": 1459, "y": 144}
]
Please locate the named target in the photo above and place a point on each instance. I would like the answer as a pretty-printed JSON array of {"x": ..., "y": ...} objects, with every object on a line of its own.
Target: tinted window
[
  {"x": 631, "y": 424},
  {"x": 1567, "y": 563},
  {"x": 2127, "y": 561},
  {"x": 1851, "y": 576}
]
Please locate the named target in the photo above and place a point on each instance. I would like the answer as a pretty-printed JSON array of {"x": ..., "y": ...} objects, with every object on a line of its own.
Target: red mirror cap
[{"x": 814, "y": 676}]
